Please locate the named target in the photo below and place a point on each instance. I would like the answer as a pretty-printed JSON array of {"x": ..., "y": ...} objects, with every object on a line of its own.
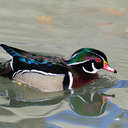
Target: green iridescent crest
[{"x": 82, "y": 55}]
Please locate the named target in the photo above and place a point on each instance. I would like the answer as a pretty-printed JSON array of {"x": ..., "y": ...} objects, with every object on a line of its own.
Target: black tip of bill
[{"x": 115, "y": 71}]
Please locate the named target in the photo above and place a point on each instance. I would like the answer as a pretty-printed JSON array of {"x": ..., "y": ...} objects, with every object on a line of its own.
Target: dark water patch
[{"x": 85, "y": 106}]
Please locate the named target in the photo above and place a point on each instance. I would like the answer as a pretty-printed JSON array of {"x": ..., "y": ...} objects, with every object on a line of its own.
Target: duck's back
[{"x": 23, "y": 60}]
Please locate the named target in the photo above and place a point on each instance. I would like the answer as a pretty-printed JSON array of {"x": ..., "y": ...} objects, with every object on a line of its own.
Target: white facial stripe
[
  {"x": 94, "y": 69},
  {"x": 78, "y": 63},
  {"x": 74, "y": 55},
  {"x": 71, "y": 80},
  {"x": 92, "y": 72},
  {"x": 85, "y": 70}
]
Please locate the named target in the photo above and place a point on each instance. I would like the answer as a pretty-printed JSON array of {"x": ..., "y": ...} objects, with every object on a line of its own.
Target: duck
[{"x": 52, "y": 73}]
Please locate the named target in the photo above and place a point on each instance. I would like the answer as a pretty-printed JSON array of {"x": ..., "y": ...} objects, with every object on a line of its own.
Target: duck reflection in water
[{"x": 89, "y": 103}]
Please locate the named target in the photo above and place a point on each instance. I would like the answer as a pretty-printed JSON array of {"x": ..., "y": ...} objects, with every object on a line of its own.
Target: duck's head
[{"x": 90, "y": 60}]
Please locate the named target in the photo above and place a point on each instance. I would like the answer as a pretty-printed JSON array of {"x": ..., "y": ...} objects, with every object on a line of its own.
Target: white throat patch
[{"x": 92, "y": 72}]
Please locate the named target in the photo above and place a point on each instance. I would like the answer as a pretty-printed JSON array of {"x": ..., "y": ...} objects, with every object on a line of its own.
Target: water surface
[{"x": 62, "y": 27}]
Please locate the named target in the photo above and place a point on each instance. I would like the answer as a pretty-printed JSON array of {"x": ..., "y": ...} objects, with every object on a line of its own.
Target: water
[{"x": 62, "y": 27}]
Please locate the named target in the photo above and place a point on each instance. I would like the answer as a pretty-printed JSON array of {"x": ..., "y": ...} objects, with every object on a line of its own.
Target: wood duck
[{"x": 49, "y": 73}]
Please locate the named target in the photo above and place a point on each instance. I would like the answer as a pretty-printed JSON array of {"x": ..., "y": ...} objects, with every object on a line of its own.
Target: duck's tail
[
  {"x": 5, "y": 69},
  {"x": 12, "y": 51}
]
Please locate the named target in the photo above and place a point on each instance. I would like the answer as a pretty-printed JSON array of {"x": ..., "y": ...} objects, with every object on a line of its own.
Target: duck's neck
[{"x": 81, "y": 78}]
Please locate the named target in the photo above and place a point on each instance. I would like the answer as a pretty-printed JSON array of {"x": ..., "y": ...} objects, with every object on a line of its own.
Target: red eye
[{"x": 98, "y": 60}]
